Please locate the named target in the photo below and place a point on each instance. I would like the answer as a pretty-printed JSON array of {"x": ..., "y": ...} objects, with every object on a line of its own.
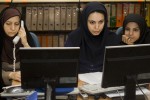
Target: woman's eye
[{"x": 92, "y": 22}]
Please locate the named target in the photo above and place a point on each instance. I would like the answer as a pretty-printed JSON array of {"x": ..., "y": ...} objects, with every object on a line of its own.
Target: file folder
[
  {"x": 57, "y": 18},
  {"x": 34, "y": 19},
  {"x": 61, "y": 40},
  {"x": 74, "y": 18},
  {"x": 40, "y": 19},
  {"x": 46, "y": 19},
  {"x": 68, "y": 18},
  {"x": 51, "y": 18},
  {"x": 28, "y": 17},
  {"x": 63, "y": 18}
]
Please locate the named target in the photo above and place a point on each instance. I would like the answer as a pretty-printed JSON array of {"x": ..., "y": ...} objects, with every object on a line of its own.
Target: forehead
[
  {"x": 132, "y": 24},
  {"x": 96, "y": 16},
  {"x": 13, "y": 19}
]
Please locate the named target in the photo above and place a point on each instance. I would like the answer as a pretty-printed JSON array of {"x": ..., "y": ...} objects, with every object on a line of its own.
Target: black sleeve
[{"x": 113, "y": 39}]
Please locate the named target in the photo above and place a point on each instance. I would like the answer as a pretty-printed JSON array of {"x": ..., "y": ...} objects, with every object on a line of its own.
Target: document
[{"x": 91, "y": 78}]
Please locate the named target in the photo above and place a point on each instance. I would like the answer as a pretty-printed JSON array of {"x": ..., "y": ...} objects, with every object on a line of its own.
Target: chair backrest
[
  {"x": 35, "y": 39},
  {"x": 119, "y": 30}
]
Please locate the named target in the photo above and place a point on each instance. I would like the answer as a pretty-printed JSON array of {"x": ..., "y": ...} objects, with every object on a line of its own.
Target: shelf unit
[
  {"x": 38, "y": 1},
  {"x": 47, "y": 37}
]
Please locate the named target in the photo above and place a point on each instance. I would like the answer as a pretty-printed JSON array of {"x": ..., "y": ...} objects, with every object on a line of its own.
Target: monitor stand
[
  {"x": 50, "y": 89},
  {"x": 130, "y": 88}
]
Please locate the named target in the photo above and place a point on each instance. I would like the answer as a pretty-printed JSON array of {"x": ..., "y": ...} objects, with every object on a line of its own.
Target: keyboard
[{"x": 96, "y": 88}]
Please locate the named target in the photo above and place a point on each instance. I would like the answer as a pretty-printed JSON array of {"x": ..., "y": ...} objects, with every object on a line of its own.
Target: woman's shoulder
[
  {"x": 113, "y": 39},
  {"x": 75, "y": 34}
]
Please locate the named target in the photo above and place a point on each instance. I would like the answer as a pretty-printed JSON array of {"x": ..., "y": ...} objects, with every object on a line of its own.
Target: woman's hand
[
  {"x": 23, "y": 36},
  {"x": 127, "y": 40},
  {"x": 15, "y": 76}
]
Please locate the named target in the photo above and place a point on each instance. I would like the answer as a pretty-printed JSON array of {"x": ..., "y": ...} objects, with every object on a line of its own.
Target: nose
[
  {"x": 97, "y": 26},
  {"x": 12, "y": 27},
  {"x": 131, "y": 32}
]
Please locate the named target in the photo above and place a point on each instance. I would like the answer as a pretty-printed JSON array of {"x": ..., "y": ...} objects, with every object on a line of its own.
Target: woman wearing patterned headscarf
[
  {"x": 10, "y": 19},
  {"x": 135, "y": 30},
  {"x": 92, "y": 36}
]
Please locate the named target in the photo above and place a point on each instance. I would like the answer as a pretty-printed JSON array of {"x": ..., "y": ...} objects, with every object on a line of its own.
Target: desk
[
  {"x": 79, "y": 97},
  {"x": 80, "y": 83}
]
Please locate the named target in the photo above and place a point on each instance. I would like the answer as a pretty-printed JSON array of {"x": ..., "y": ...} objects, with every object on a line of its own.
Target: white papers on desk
[{"x": 91, "y": 78}]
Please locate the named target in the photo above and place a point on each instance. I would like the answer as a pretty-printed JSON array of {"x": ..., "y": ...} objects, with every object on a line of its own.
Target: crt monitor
[
  {"x": 57, "y": 66},
  {"x": 126, "y": 65}
]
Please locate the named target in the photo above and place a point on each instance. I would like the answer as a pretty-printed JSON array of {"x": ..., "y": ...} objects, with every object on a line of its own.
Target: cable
[
  {"x": 119, "y": 95},
  {"x": 11, "y": 3},
  {"x": 146, "y": 98},
  {"x": 14, "y": 56}
]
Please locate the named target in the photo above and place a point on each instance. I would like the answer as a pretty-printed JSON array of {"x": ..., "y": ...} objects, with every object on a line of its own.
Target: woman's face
[
  {"x": 132, "y": 30},
  {"x": 95, "y": 23},
  {"x": 12, "y": 25}
]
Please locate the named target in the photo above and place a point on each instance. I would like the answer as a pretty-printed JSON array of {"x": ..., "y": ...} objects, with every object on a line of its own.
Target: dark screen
[
  {"x": 126, "y": 60},
  {"x": 41, "y": 63}
]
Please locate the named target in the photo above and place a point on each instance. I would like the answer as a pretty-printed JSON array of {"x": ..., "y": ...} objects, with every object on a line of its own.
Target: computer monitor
[
  {"x": 52, "y": 66},
  {"x": 124, "y": 65}
]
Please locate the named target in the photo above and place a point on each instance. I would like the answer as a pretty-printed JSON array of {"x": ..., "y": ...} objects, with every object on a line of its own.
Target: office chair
[
  {"x": 35, "y": 39},
  {"x": 119, "y": 30}
]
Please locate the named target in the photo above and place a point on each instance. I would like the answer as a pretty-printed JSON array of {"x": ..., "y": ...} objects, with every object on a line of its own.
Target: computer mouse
[{"x": 14, "y": 90}]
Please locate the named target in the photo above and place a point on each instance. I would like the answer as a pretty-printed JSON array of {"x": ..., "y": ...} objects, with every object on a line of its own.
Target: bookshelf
[
  {"x": 32, "y": 1},
  {"x": 45, "y": 24}
]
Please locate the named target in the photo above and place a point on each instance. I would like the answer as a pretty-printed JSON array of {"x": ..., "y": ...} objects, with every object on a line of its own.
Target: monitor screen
[
  {"x": 39, "y": 64},
  {"x": 120, "y": 61},
  {"x": 124, "y": 61}
]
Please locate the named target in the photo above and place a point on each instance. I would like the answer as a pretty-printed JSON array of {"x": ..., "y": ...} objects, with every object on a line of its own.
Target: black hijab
[
  {"x": 144, "y": 31},
  {"x": 91, "y": 47},
  {"x": 6, "y": 48}
]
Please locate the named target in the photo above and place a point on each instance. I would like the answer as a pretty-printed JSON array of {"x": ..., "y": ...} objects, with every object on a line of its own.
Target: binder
[
  {"x": 137, "y": 8},
  {"x": 74, "y": 18},
  {"x": 68, "y": 18},
  {"x": 57, "y": 18},
  {"x": 147, "y": 17},
  {"x": 34, "y": 19},
  {"x": 113, "y": 15},
  {"x": 55, "y": 40},
  {"x": 51, "y": 18},
  {"x": 61, "y": 40},
  {"x": 131, "y": 8},
  {"x": 125, "y": 10},
  {"x": 107, "y": 6},
  {"x": 50, "y": 40},
  {"x": 119, "y": 15},
  {"x": 46, "y": 19},
  {"x": 40, "y": 19},
  {"x": 28, "y": 17},
  {"x": 63, "y": 18}
]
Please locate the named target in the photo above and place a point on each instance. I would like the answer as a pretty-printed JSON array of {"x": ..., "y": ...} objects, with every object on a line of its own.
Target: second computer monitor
[{"x": 40, "y": 65}]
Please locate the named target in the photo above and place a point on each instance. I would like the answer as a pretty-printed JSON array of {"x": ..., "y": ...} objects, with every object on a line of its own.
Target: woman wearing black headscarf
[
  {"x": 92, "y": 36},
  {"x": 135, "y": 30},
  {"x": 10, "y": 19}
]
